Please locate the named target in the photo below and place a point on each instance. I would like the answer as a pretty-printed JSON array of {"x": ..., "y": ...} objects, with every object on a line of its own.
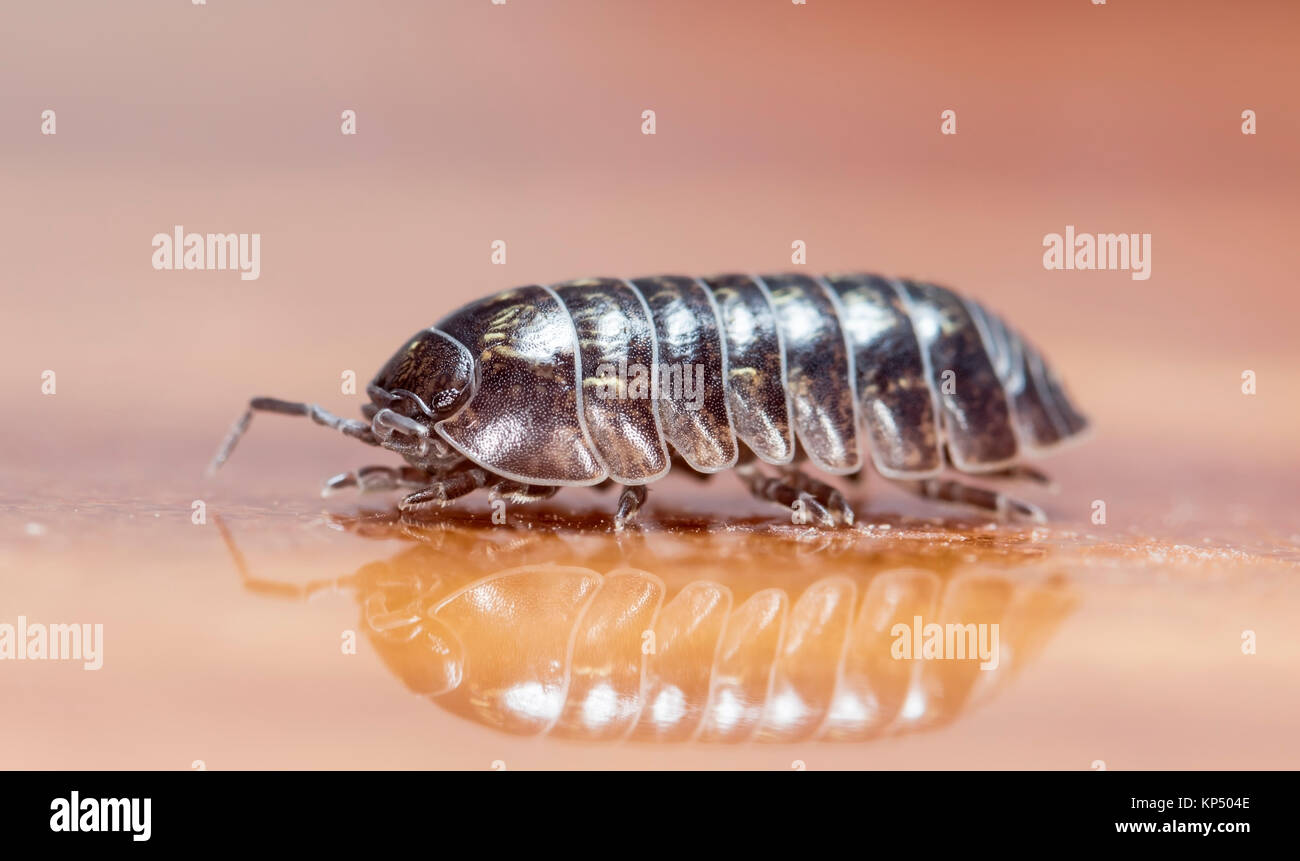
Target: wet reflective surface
[
  {"x": 284, "y": 635},
  {"x": 793, "y": 644}
]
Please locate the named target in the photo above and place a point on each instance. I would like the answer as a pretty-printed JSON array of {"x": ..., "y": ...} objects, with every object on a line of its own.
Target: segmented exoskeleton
[{"x": 604, "y": 380}]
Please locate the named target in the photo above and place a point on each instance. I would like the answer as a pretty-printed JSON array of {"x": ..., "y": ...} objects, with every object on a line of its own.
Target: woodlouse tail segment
[
  {"x": 349, "y": 427},
  {"x": 1044, "y": 415}
]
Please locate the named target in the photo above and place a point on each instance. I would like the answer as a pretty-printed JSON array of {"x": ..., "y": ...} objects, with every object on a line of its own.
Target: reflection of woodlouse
[
  {"x": 751, "y": 635},
  {"x": 564, "y": 651},
  {"x": 528, "y": 390}
]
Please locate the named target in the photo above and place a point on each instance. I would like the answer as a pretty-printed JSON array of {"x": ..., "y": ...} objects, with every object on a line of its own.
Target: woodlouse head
[
  {"x": 429, "y": 379},
  {"x": 420, "y": 650}
]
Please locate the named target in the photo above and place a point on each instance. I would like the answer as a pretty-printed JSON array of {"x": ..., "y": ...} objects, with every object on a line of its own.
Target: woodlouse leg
[
  {"x": 520, "y": 493},
  {"x": 443, "y": 491},
  {"x": 374, "y": 478},
  {"x": 1015, "y": 472},
  {"x": 828, "y": 496},
  {"x": 783, "y": 493},
  {"x": 1021, "y": 472},
  {"x": 629, "y": 504},
  {"x": 349, "y": 427},
  {"x": 947, "y": 490}
]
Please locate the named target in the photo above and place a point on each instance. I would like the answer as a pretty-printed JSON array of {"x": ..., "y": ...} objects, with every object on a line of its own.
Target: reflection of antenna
[
  {"x": 521, "y": 631},
  {"x": 275, "y": 588}
]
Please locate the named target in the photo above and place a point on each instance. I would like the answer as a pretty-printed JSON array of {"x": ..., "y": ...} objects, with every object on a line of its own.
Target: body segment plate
[
  {"x": 691, "y": 373},
  {"x": 756, "y": 393},
  {"x": 819, "y": 372},
  {"x": 897, "y": 407},
  {"x": 523, "y": 422},
  {"x": 976, "y": 416},
  {"x": 616, "y": 355}
]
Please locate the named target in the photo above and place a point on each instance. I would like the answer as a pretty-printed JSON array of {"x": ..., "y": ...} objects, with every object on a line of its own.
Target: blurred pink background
[{"x": 522, "y": 122}]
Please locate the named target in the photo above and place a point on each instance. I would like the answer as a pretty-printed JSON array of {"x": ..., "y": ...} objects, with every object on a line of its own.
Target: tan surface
[
  {"x": 1123, "y": 651},
  {"x": 518, "y": 122}
]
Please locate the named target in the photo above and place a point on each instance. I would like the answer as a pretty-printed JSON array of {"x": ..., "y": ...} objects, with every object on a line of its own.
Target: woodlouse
[{"x": 538, "y": 387}]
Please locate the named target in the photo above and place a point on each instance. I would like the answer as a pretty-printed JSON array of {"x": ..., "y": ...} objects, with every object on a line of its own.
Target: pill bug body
[{"x": 608, "y": 380}]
